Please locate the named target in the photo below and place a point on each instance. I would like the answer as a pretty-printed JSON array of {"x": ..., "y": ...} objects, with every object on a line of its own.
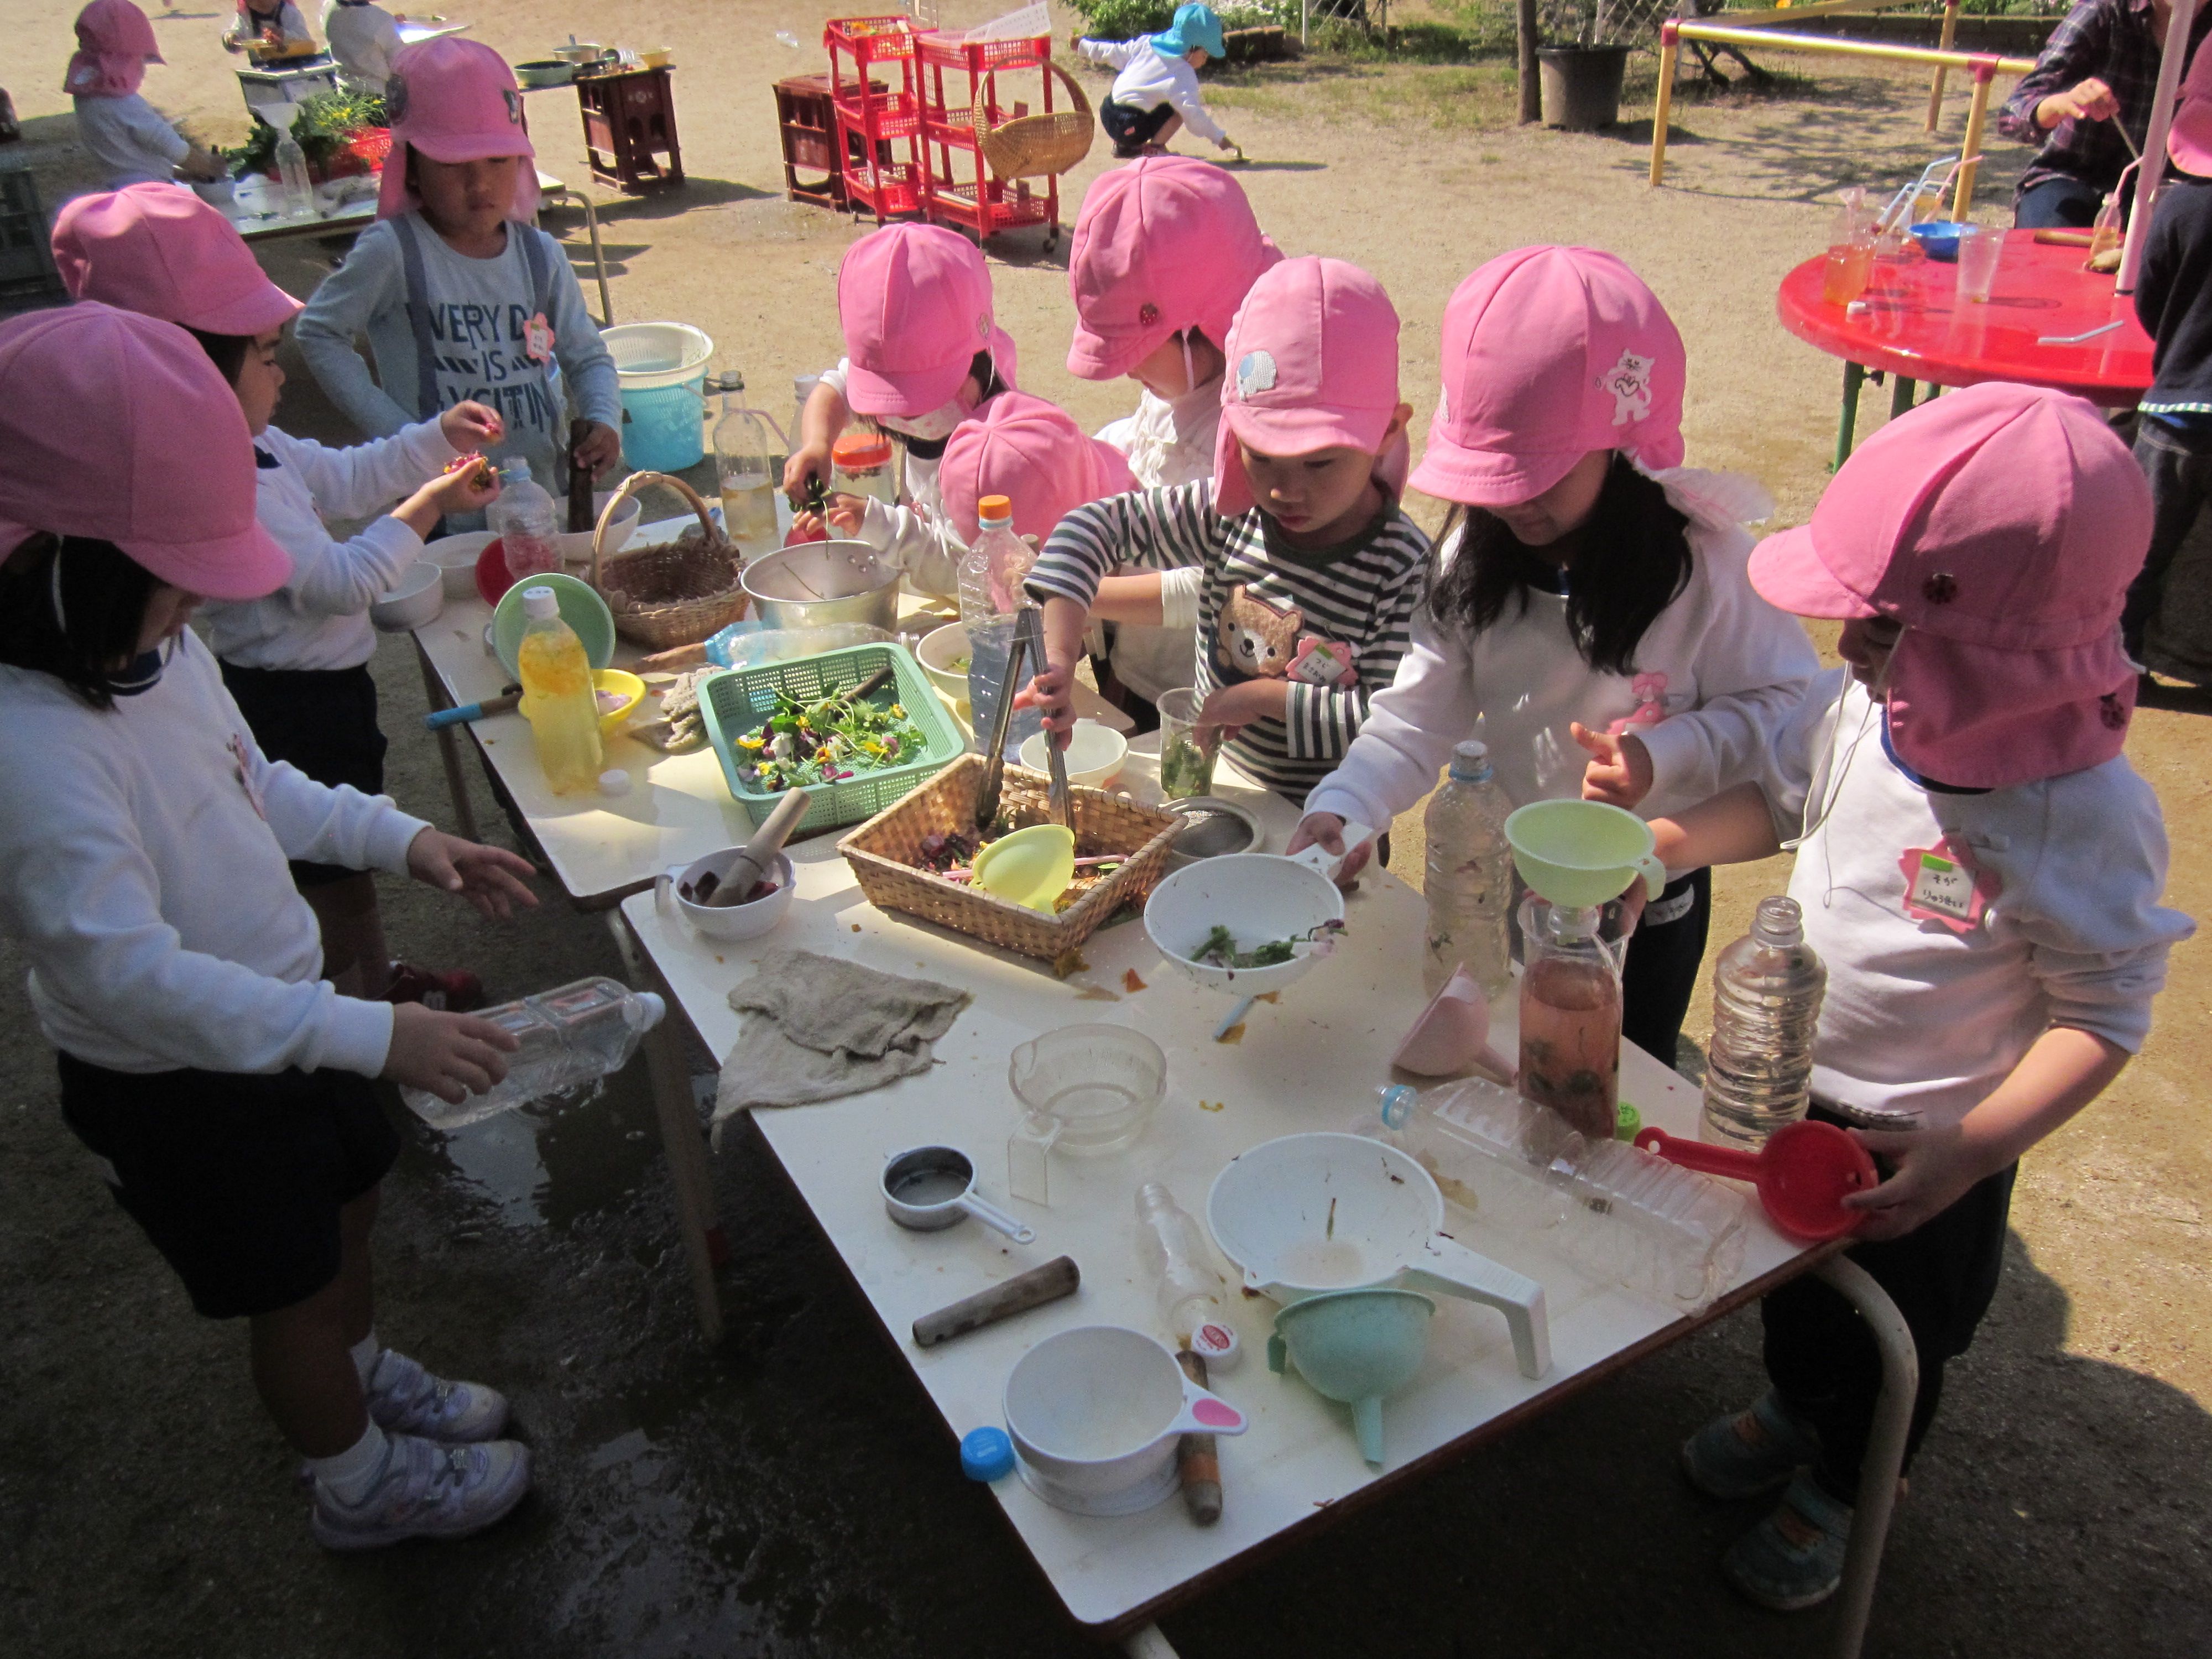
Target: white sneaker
[
  {"x": 426, "y": 1490},
  {"x": 404, "y": 1399}
]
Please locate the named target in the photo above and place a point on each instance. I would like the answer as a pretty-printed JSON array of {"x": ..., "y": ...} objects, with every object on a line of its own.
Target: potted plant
[{"x": 1581, "y": 78}]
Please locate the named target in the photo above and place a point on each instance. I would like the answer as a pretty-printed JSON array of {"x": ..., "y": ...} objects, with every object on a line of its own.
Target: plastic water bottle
[
  {"x": 522, "y": 517},
  {"x": 558, "y": 698},
  {"x": 1615, "y": 1214},
  {"x": 991, "y": 577},
  {"x": 1767, "y": 988},
  {"x": 1469, "y": 881},
  {"x": 749, "y": 465},
  {"x": 571, "y": 1037},
  {"x": 298, "y": 190},
  {"x": 1190, "y": 1295}
]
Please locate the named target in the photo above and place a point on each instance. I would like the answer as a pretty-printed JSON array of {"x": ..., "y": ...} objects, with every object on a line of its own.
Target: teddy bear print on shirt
[{"x": 1257, "y": 639}]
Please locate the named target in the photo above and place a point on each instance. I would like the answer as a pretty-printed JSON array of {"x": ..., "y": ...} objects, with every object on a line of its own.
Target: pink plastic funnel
[{"x": 1803, "y": 1174}]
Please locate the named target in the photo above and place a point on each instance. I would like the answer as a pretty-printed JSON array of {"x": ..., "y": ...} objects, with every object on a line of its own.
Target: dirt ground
[{"x": 790, "y": 1492}]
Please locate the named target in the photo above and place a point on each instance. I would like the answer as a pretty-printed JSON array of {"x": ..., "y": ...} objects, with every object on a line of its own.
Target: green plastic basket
[{"x": 740, "y": 701}]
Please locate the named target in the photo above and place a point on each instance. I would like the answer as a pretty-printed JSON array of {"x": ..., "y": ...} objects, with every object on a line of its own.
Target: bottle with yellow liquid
[{"x": 557, "y": 698}]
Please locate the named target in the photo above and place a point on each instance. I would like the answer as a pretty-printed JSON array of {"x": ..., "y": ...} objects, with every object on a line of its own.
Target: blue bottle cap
[{"x": 987, "y": 1455}]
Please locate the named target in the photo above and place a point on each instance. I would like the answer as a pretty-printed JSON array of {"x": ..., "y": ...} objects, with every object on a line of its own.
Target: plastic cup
[
  {"x": 1980, "y": 248},
  {"x": 1185, "y": 763}
]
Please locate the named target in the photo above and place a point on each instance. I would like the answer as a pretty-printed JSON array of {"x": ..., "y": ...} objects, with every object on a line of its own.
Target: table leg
[
  {"x": 1885, "y": 1453},
  {"x": 680, "y": 1138},
  {"x": 1847, "y": 421},
  {"x": 1900, "y": 397},
  {"x": 1148, "y": 1643},
  {"x": 449, "y": 747}
]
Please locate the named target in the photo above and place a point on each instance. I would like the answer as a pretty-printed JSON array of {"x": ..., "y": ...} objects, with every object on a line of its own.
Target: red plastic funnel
[{"x": 1803, "y": 1174}]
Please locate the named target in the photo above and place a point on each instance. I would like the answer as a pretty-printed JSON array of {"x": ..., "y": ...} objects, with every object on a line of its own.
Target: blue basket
[{"x": 663, "y": 427}]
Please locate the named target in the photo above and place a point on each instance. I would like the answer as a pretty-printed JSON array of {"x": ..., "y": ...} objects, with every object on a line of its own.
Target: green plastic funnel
[
  {"x": 1581, "y": 852},
  {"x": 1357, "y": 1346},
  {"x": 1029, "y": 867}
]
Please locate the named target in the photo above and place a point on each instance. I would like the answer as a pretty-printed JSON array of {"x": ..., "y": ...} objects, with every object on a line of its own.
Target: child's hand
[
  {"x": 1619, "y": 771},
  {"x": 471, "y": 426},
  {"x": 600, "y": 450},
  {"x": 492, "y": 879},
  {"x": 1235, "y": 707},
  {"x": 468, "y": 486},
  {"x": 1934, "y": 1167},
  {"x": 1325, "y": 832},
  {"x": 807, "y": 461},
  {"x": 452, "y": 1056},
  {"x": 807, "y": 526},
  {"x": 1053, "y": 691},
  {"x": 847, "y": 513}
]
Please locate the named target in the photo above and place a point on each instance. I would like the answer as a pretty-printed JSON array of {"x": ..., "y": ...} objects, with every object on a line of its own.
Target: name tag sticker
[
  {"x": 1940, "y": 886},
  {"x": 538, "y": 338}
]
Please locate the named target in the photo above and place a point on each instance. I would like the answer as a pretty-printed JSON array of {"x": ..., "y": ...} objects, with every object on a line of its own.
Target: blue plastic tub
[{"x": 662, "y": 367}]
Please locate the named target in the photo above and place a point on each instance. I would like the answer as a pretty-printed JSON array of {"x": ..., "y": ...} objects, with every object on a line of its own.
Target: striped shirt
[{"x": 1259, "y": 597}]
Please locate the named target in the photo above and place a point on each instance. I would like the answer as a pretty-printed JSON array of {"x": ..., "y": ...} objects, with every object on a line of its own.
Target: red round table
[{"x": 1911, "y": 323}]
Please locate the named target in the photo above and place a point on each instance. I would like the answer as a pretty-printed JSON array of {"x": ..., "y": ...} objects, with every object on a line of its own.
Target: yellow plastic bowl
[
  {"x": 1031, "y": 868},
  {"x": 628, "y": 687}
]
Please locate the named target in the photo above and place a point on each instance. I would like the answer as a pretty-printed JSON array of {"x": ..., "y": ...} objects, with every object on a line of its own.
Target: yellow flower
[
  {"x": 898, "y": 711},
  {"x": 754, "y": 741}
]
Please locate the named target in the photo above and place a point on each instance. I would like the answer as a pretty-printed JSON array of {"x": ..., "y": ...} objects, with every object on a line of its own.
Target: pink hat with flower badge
[
  {"x": 159, "y": 250},
  {"x": 1313, "y": 364},
  {"x": 1550, "y": 352},
  {"x": 1032, "y": 452},
  {"x": 454, "y": 100},
  {"x": 915, "y": 302},
  {"x": 115, "y": 42},
  {"x": 2001, "y": 525},
  {"x": 117, "y": 426},
  {"x": 1164, "y": 244}
]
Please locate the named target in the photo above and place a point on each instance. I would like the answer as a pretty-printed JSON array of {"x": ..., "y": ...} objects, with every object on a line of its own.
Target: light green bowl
[
  {"x": 581, "y": 608},
  {"x": 1581, "y": 852},
  {"x": 1355, "y": 1346}
]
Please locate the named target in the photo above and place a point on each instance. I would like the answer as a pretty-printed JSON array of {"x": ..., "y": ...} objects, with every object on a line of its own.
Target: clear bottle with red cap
[{"x": 860, "y": 465}]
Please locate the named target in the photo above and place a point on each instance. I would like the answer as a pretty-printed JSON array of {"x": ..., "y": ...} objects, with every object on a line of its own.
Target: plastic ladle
[{"x": 1803, "y": 1174}]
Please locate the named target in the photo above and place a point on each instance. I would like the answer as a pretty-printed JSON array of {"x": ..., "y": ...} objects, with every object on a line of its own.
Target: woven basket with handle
[
  {"x": 1034, "y": 146},
  {"x": 677, "y": 594},
  {"x": 885, "y": 854}
]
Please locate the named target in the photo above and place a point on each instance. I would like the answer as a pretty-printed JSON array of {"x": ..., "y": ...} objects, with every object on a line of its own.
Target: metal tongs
[{"x": 1028, "y": 640}]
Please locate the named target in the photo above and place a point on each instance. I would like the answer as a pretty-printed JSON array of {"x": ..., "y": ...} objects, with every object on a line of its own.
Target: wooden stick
[
  {"x": 1198, "y": 1460},
  {"x": 1976, "y": 113},
  {"x": 1057, "y": 1279}
]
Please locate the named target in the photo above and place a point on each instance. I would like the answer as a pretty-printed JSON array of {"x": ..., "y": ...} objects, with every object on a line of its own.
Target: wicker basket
[
  {"x": 884, "y": 851},
  {"x": 678, "y": 595},
  {"x": 1034, "y": 146}
]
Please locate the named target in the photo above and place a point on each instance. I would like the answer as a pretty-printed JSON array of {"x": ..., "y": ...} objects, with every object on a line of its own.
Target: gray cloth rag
[{"x": 817, "y": 1028}]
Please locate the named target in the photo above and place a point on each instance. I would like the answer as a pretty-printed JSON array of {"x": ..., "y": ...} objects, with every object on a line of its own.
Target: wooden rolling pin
[
  {"x": 1057, "y": 1279},
  {"x": 1197, "y": 1459}
]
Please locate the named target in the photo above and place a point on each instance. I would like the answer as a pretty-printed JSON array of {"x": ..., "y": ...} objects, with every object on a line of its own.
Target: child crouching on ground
[
  {"x": 222, "y": 1083},
  {"x": 1155, "y": 94},
  {"x": 1979, "y": 868},
  {"x": 1310, "y": 569},
  {"x": 296, "y": 661}
]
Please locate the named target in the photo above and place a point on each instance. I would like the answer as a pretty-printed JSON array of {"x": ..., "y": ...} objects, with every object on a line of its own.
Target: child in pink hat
[
  {"x": 1980, "y": 870},
  {"x": 2174, "y": 429},
  {"x": 922, "y": 353},
  {"x": 462, "y": 298},
  {"x": 1165, "y": 251},
  {"x": 296, "y": 659},
  {"x": 225, "y": 1085},
  {"x": 1589, "y": 588},
  {"x": 130, "y": 139},
  {"x": 1032, "y": 452},
  {"x": 1310, "y": 568}
]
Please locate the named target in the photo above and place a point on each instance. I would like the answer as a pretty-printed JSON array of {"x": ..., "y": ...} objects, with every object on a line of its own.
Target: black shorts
[
  {"x": 323, "y": 720},
  {"x": 237, "y": 1178},
  {"x": 1130, "y": 128}
]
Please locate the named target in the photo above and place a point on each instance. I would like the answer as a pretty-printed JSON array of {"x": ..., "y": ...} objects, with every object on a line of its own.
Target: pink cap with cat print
[{"x": 1550, "y": 352}]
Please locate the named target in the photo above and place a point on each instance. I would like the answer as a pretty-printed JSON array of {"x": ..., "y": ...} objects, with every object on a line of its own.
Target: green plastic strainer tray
[{"x": 740, "y": 701}]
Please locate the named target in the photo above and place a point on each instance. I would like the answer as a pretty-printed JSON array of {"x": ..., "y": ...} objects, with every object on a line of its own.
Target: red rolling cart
[
  {"x": 874, "y": 126},
  {"x": 960, "y": 84}
]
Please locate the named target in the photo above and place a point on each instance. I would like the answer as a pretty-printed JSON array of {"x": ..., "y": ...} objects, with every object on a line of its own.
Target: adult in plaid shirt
[{"x": 2095, "y": 77}]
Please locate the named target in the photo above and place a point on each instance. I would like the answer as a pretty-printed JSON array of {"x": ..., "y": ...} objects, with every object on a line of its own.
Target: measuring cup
[
  {"x": 1803, "y": 1174},
  {"x": 929, "y": 1187}
]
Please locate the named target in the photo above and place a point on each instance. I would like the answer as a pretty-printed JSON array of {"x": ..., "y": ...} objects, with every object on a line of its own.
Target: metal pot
[{"x": 817, "y": 583}]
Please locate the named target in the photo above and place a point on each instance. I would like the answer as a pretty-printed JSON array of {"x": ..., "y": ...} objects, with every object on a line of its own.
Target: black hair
[
  {"x": 1631, "y": 562},
  {"x": 102, "y": 593},
  {"x": 226, "y": 351}
]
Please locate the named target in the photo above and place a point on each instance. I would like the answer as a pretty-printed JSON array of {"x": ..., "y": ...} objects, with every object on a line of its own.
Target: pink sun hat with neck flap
[
  {"x": 1164, "y": 244},
  {"x": 117, "y": 426},
  {"x": 1032, "y": 452},
  {"x": 915, "y": 302},
  {"x": 454, "y": 100},
  {"x": 2001, "y": 525},
  {"x": 1550, "y": 352},
  {"x": 1313, "y": 364},
  {"x": 156, "y": 249},
  {"x": 2188, "y": 140},
  {"x": 115, "y": 42}
]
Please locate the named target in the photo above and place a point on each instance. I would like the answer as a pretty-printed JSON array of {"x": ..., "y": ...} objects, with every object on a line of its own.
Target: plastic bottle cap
[
  {"x": 995, "y": 509},
  {"x": 514, "y": 471},
  {"x": 1626, "y": 1120},
  {"x": 614, "y": 781},
  {"x": 540, "y": 603},
  {"x": 643, "y": 1011},
  {"x": 860, "y": 449},
  {"x": 986, "y": 1454},
  {"x": 1397, "y": 1100},
  {"x": 1215, "y": 1342},
  {"x": 1470, "y": 761}
]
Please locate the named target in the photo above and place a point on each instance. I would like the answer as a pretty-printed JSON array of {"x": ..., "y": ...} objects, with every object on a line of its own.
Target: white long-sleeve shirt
[
  {"x": 1718, "y": 648},
  {"x": 1147, "y": 80},
  {"x": 320, "y": 617},
  {"x": 142, "y": 869},
  {"x": 132, "y": 141},
  {"x": 363, "y": 39},
  {"x": 1922, "y": 1018}
]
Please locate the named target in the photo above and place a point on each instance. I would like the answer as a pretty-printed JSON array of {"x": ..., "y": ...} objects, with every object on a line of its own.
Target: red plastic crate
[
  {"x": 884, "y": 189},
  {"x": 981, "y": 57}
]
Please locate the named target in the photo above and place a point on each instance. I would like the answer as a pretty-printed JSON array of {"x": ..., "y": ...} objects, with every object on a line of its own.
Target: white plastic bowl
[
  {"x": 1095, "y": 754},
  {"x": 415, "y": 599},
  {"x": 456, "y": 558},
  {"x": 726, "y": 921},
  {"x": 576, "y": 545},
  {"x": 940, "y": 649},
  {"x": 1258, "y": 897}
]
